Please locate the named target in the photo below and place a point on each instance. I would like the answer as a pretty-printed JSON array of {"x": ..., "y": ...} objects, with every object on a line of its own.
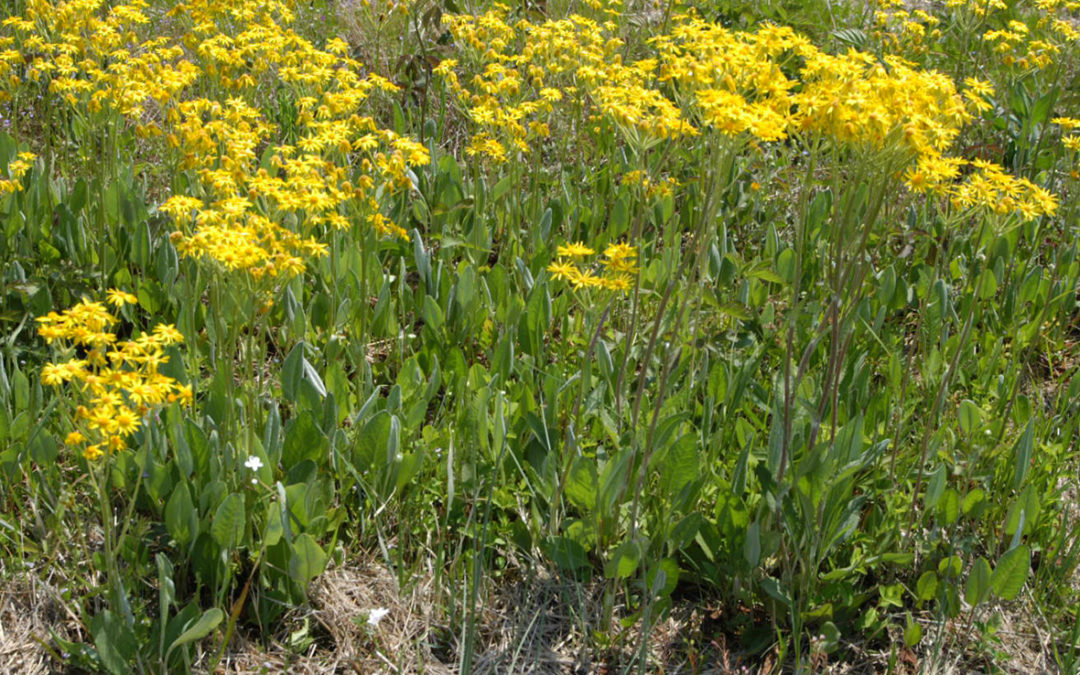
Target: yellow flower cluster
[
  {"x": 524, "y": 71},
  {"x": 1028, "y": 44},
  {"x": 117, "y": 382},
  {"x": 617, "y": 267},
  {"x": 986, "y": 185},
  {"x": 16, "y": 169},
  {"x": 762, "y": 85},
  {"x": 857, "y": 98},
  {"x": 731, "y": 81},
  {"x": 907, "y": 31},
  {"x": 255, "y": 205},
  {"x": 1016, "y": 48},
  {"x": 1069, "y": 124},
  {"x": 651, "y": 187}
]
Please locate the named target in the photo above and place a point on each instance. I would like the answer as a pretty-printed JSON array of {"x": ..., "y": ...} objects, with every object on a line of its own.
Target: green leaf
[
  {"x": 987, "y": 285},
  {"x": 199, "y": 445},
  {"x": 308, "y": 559},
  {"x": 785, "y": 265},
  {"x": 115, "y": 642},
  {"x": 752, "y": 545},
  {"x": 304, "y": 440},
  {"x": 973, "y": 499},
  {"x": 663, "y": 578},
  {"x": 950, "y": 567},
  {"x": 1023, "y": 513},
  {"x": 624, "y": 561},
  {"x": 582, "y": 484},
  {"x": 500, "y": 189},
  {"x": 292, "y": 371},
  {"x": 206, "y": 623},
  {"x": 935, "y": 487},
  {"x": 569, "y": 555},
  {"x": 775, "y": 591},
  {"x": 227, "y": 529},
  {"x": 1022, "y": 452},
  {"x": 977, "y": 586},
  {"x": 926, "y": 587},
  {"x": 912, "y": 632},
  {"x": 1011, "y": 573},
  {"x": 679, "y": 466},
  {"x": 949, "y": 507},
  {"x": 166, "y": 596},
  {"x": 181, "y": 518},
  {"x": 970, "y": 417}
]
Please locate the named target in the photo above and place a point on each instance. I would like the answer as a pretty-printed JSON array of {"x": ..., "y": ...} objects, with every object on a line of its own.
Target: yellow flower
[
  {"x": 110, "y": 378},
  {"x": 118, "y": 298},
  {"x": 575, "y": 250},
  {"x": 125, "y": 422},
  {"x": 562, "y": 269},
  {"x": 168, "y": 334}
]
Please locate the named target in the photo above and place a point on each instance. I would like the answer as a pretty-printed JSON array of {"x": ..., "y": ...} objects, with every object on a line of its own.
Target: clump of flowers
[
  {"x": 650, "y": 187},
  {"x": 15, "y": 171},
  {"x": 986, "y": 186},
  {"x": 116, "y": 382},
  {"x": 613, "y": 272},
  {"x": 194, "y": 78}
]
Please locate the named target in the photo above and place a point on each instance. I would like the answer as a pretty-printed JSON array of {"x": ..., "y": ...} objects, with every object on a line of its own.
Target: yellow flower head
[
  {"x": 118, "y": 298},
  {"x": 574, "y": 250}
]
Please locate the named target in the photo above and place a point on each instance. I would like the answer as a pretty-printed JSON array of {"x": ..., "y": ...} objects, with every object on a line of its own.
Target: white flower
[
  {"x": 253, "y": 463},
  {"x": 375, "y": 616}
]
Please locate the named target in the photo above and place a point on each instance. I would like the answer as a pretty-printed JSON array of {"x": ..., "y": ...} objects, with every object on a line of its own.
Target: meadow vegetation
[{"x": 756, "y": 319}]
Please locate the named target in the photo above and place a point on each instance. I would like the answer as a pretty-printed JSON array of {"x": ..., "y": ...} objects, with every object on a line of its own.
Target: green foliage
[{"x": 834, "y": 406}]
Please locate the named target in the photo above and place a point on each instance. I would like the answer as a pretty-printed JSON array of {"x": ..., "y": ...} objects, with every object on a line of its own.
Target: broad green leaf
[
  {"x": 935, "y": 487},
  {"x": 1023, "y": 513},
  {"x": 973, "y": 499},
  {"x": 581, "y": 484},
  {"x": 568, "y": 554},
  {"x": 1022, "y": 454},
  {"x": 752, "y": 545},
  {"x": 679, "y": 466},
  {"x": 988, "y": 284},
  {"x": 1011, "y": 573},
  {"x": 199, "y": 445},
  {"x": 912, "y": 632},
  {"x": 303, "y": 440},
  {"x": 227, "y": 529},
  {"x": 970, "y": 417},
  {"x": 775, "y": 591},
  {"x": 307, "y": 561},
  {"x": 977, "y": 586},
  {"x": 950, "y": 567},
  {"x": 181, "y": 518},
  {"x": 624, "y": 561},
  {"x": 206, "y": 623},
  {"x": 115, "y": 642},
  {"x": 949, "y": 507},
  {"x": 926, "y": 587},
  {"x": 292, "y": 371},
  {"x": 785, "y": 265},
  {"x": 663, "y": 578}
]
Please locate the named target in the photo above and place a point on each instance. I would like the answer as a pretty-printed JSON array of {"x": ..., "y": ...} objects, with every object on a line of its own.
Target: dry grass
[
  {"x": 31, "y": 610},
  {"x": 542, "y": 625}
]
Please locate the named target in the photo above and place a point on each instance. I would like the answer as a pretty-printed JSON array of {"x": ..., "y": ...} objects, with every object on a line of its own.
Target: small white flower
[
  {"x": 253, "y": 463},
  {"x": 376, "y": 615}
]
